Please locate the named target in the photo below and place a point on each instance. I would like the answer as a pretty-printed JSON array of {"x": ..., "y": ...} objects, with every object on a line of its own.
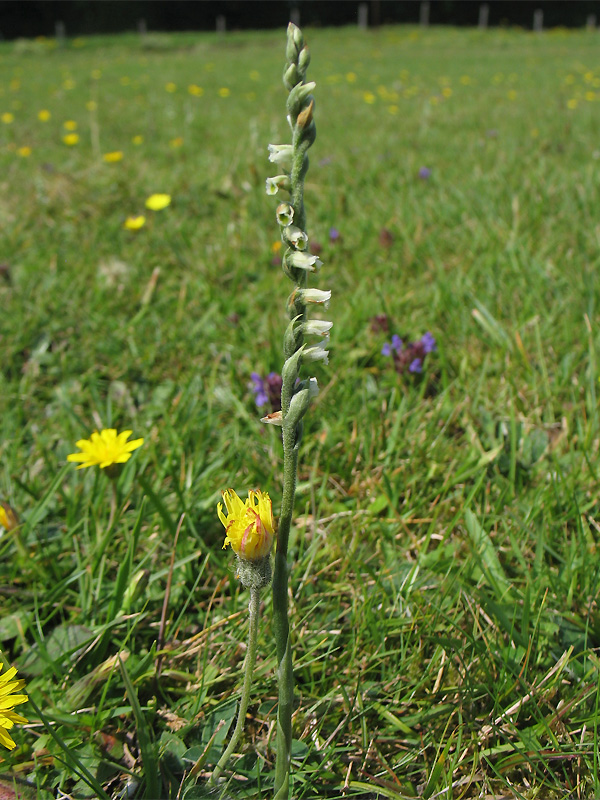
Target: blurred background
[{"x": 80, "y": 17}]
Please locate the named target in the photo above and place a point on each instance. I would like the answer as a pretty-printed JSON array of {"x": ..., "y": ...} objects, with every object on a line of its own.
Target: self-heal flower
[
  {"x": 156, "y": 202},
  {"x": 281, "y": 154},
  {"x": 428, "y": 342},
  {"x": 105, "y": 449},
  {"x": 396, "y": 344},
  {"x": 249, "y": 525},
  {"x": 416, "y": 365},
  {"x": 8, "y": 700}
]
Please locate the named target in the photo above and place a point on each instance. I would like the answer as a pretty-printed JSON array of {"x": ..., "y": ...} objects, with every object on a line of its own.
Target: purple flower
[
  {"x": 258, "y": 387},
  {"x": 396, "y": 344},
  {"x": 424, "y": 173},
  {"x": 428, "y": 342},
  {"x": 416, "y": 365},
  {"x": 389, "y": 347},
  {"x": 334, "y": 234},
  {"x": 267, "y": 390}
]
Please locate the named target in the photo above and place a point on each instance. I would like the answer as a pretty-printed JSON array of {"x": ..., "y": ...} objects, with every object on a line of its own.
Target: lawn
[{"x": 444, "y": 559}]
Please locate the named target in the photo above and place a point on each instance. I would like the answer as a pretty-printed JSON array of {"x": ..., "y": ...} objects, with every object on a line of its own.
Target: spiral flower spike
[{"x": 296, "y": 396}]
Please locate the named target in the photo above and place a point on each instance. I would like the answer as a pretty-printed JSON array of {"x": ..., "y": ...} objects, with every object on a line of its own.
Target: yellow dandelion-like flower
[
  {"x": 369, "y": 97},
  {"x": 70, "y": 125},
  {"x": 351, "y": 77},
  {"x": 105, "y": 449},
  {"x": 24, "y": 151},
  {"x": 113, "y": 157},
  {"x": 156, "y": 202},
  {"x": 176, "y": 142},
  {"x": 134, "y": 223},
  {"x": 224, "y": 91},
  {"x": 8, "y": 700},
  {"x": 68, "y": 84},
  {"x": 249, "y": 526},
  {"x": 196, "y": 91},
  {"x": 91, "y": 105},
  {"x": 44, "y": 115},
  {"x": 7, "y": 118},
  {"x": 137, "y": 140},
  {"x": 8, "y": 517},
  {"x": 71, "y": 139},
  {"x": 171, "y": 87}
]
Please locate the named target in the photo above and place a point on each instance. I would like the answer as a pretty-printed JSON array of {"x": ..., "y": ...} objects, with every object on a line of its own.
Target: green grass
[{"x": 445, "y": 562}]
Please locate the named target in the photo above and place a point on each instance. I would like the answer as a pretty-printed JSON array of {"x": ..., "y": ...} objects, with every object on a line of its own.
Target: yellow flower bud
[{"x": 249, "y": 526}]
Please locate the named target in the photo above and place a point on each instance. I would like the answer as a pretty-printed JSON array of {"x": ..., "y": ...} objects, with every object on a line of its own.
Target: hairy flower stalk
[
  {"x": 296, "y": 395},
  {"x": 250, "y": 529}
]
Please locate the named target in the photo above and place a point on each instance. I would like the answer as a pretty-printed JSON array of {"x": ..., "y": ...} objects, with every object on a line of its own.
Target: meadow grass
[{"x": 444, "y": 561}]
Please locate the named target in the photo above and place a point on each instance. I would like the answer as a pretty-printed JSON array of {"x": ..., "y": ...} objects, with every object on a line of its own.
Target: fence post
[
  {"x": 363, "y": 16},
  {"x": 424, "y": 14},
  {"x": 538, "y": 20},
  {"x": 484, "y": 14}
]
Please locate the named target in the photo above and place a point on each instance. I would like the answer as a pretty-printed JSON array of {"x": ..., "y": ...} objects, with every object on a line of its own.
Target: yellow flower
[
  {"x": 7, "y": 118},
  {"x": 113, "y": 157},
  {"x": 8, "y": 517},
  {"x": 171, "y": 87},
  {"x": 91, "y": 105},
  {"x": 105, "y": 449},
  {"x": 44, "y": 115},
  {"x": 249, "y": 526},
  {"x": 134, "y": 223},
  {"x": 369, "y": 97},
  {"x": 196, "y": 91},
  {"x": 137, "y": 140},
  {"x": 177, "y": 142},
  {"x": 156, "y": 202},
  {"x": 224, "y": 92},
  {"x": 70, "y": 125},
  {"x": 24, "y": 151},
  {"x": 70, "y": 139},
  {"x": 8, "y": 700}
]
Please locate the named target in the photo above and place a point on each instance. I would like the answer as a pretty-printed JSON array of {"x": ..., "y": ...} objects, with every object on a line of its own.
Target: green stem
[
  {"x": 254, "y": 609},
  {"x": 285, "y": 672}
]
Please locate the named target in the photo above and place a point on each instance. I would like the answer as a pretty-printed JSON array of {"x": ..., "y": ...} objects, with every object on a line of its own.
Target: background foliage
[{"x": 445, "y": 557}]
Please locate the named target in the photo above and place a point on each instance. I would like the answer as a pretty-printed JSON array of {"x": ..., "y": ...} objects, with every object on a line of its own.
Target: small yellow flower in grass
[
  {"x": 24, "y": 151},
  {"x": 44, "y": 115},
  {"x": 70, "y": 125},
  {"x": 156, "y": 202},
  {"x": 171, "y": 87},
  {"x": 134, "y": 223},
  {"x": 8, "y": 700},
  {"x": 369, "y": 97},
  {"x": 113, "y": 157},
  {"x": 196, "y": 91},
  {"x": 7, "y": 118},
  {"x": 176, "y": 142},
  {"x": 105, "y": 449},
  {"x": 8, "y": 517},
  {"x": 137, "y": 140},
  {"x": 249, "y": 526},
  {"x": 91, "y": 105},
  {"x": 71, "y": 139},
  {"x": 224, "y": 91}
]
